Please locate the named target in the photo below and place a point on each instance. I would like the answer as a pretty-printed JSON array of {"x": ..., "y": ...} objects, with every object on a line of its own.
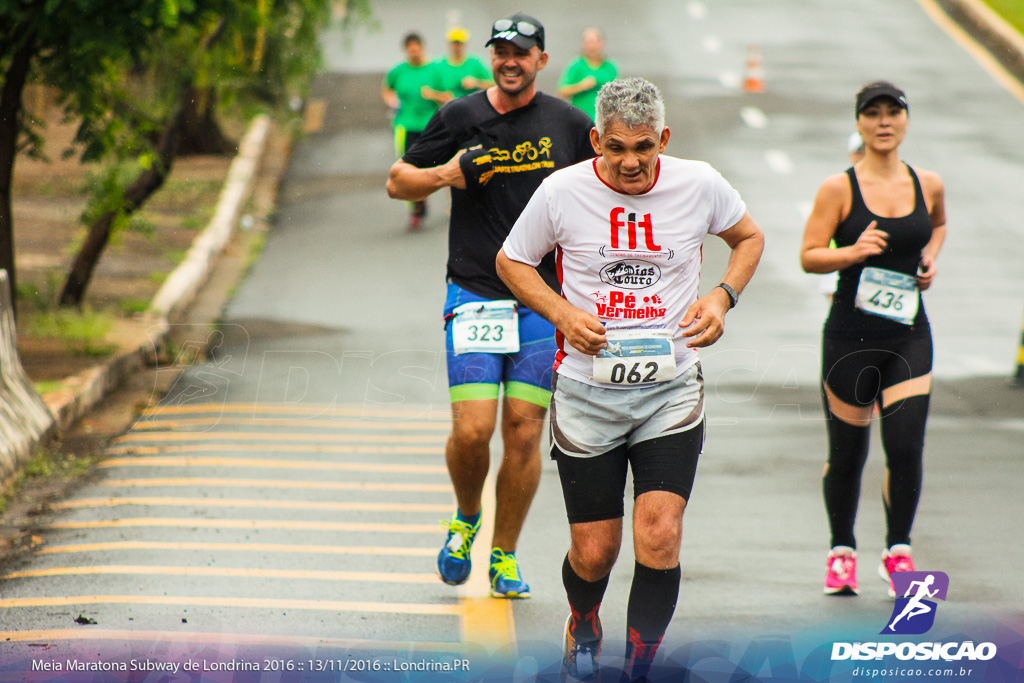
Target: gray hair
[{"x": 635, "y": 102}]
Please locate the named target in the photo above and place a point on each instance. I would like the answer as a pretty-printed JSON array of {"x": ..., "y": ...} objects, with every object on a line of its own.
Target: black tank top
[{"x": 908, "y": 235}]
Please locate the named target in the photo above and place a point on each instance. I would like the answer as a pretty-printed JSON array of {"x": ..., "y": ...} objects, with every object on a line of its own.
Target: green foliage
[
  {"x": 1011, "y": 10},
  {"x": 28, "y": 292},
  {"x": 356, "y": 12},
  {"x": 180, "y": 191},
  {"x": 256, "y": 246},
  {"x": 47, "y": 464},
  {"x": 83, "y": 332},
  {"x": 132, "y": 306},
  {"x": 47, "y": 387},
  {"x": 197, "y": 221},
  {"x": 39, "y": 300},
  {"x": 106, "y": 187},
  {"x": 176, "y": 256},
  {"x": 138, "y": 223},
  {"x": 123, "y": 69}
]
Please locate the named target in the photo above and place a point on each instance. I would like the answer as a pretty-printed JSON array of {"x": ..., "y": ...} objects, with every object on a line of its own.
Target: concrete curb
[
  {"x": 86, "y": 389},
  {"x": 1003, "y": 41}
]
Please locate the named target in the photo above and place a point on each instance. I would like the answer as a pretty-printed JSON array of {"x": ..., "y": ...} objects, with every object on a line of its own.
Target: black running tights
[{"x": 858, "y": 375}]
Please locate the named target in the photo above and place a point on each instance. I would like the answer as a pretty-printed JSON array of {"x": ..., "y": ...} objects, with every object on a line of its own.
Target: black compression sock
[
  {"x": 584, "y": 601},
  {"x": 903, "y": 429},
  {"x": 848, "y": 451},
  {"x": 652, "y": 601}
]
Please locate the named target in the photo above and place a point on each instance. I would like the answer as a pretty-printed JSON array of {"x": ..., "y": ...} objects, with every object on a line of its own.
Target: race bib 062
[
  {"x": 888, "y": 294},
  {"x": 635, "y": 357},
  {"x": 486, "y": 327}
]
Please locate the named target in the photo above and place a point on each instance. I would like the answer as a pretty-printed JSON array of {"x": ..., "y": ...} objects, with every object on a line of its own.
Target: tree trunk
[
  {"x": 138, "y": 192},
  {"x": 135, "y": 196},
  {"x": 10, "y": 126},
  {"x": 200, "y": 132}
]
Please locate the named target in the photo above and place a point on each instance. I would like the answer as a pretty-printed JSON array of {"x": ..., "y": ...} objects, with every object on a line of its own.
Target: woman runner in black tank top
[
  {"x": 908, "y": 236},
  {"x": 888, "y": 224}
]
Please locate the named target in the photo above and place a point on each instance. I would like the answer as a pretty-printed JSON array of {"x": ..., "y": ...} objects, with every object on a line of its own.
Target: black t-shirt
[{"x": 526, "y": 146}]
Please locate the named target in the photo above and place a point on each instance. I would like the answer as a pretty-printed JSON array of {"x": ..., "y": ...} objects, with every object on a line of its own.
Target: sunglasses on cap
[{"x": 523, "y": 28}]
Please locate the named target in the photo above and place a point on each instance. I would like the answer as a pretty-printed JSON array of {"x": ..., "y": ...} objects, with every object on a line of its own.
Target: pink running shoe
[
  {"x": 841, "y": 572},
  {"x": 895, "y": 559}
]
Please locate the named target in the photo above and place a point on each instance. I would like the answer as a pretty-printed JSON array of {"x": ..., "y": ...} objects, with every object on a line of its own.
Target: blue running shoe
[
  {"x": 506, "y": 581},
  {"x": 453, "y": 563}
]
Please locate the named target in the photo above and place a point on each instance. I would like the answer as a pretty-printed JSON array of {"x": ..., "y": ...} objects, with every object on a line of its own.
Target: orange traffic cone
[{"x": 754, "y": 81}]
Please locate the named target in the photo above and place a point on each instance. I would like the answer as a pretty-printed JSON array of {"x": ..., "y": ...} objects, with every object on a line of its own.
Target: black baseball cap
[
  {"x": 871, "y": 92},
  {"x": 520, "y": 29}
]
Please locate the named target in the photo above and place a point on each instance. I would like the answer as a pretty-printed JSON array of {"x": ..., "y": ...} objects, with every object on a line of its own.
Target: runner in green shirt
[
  {"x": 460, "y": 74},
  {"x": 409, "y": 90},
  {"x": 587, "y": 73}
]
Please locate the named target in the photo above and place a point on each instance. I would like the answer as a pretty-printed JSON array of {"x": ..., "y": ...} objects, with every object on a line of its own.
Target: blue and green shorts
[{"x": 525, "y": 374}]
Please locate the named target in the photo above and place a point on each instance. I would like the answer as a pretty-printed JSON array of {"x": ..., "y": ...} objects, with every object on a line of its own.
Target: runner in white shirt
[
  {"x": 628, "y": 393},
  {"x": 646, "y": 247}
]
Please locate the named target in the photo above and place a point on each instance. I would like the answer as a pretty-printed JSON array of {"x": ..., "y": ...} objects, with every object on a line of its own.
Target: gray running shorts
[{"x": 587, "y": 420}]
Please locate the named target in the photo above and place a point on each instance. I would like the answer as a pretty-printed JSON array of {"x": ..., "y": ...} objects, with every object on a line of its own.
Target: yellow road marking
[
  {"x": 486, "y": 620},
  {"x": 257, "y": 463},
  {"x": 266, "y": 436},
  {"x": 195, "y": 482},
  {"x": 269, "y": 422},
  {"x": 489, "y": 622},
  {"x": 238, "y": 547},
  {"x": 316, "y": 410},
  {"x": 46, "y": 636},
  {"x": 231, "y": 572},
  {"x": 336, "y": 506},
  {"x": 293, "y": 525},
  {"x": 976, "y": 50},
  {"x": 313, "y": 121},
  {"x": 282, "y": 448},
  {"x": 259, "y": 603}
]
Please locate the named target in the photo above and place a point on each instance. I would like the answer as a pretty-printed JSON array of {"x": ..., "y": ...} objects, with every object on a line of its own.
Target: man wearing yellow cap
[{"x": 460, "y": 73}]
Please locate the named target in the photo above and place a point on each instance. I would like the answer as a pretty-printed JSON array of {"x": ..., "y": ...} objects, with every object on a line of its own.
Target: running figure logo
[{"x": 914, "y": 612}]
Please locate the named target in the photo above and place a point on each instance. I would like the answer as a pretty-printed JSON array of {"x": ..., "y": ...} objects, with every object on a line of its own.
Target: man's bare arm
[
  {"x": 581, "y": 329},
  {"x": 410, "y": 183},
  {"x": 705, "y": 319}
]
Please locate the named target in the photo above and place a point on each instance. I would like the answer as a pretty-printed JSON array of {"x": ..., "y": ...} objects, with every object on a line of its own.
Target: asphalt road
[{"x": 282, "y": 504}]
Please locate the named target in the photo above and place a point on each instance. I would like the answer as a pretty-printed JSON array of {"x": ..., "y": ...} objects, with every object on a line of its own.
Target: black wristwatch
[{"x": 733, "y": 296}]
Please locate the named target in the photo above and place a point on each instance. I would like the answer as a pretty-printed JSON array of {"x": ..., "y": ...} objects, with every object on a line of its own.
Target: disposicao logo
[{"x": 914, "y": 614}]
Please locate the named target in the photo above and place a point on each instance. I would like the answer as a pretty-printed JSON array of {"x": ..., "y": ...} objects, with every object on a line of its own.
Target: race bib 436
[{"x": 888, "y": 294}]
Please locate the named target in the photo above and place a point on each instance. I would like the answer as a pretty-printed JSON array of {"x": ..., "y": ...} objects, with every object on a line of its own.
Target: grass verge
[
  {"x": 84, "y": 332},
  {"x": 1010, "y": 10},
  {"x": 47, "y": 465}
]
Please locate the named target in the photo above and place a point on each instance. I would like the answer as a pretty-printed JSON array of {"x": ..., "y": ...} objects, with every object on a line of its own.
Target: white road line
[
  {"x": 778, "y": 161},
  {"x": 697, "y": 9},
  {"x": 754, "y": 117},
  {"x": 730, "y": 80}
]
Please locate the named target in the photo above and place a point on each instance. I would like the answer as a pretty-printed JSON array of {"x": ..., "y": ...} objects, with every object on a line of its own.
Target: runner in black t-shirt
[{"x": 493, "y": 148}]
